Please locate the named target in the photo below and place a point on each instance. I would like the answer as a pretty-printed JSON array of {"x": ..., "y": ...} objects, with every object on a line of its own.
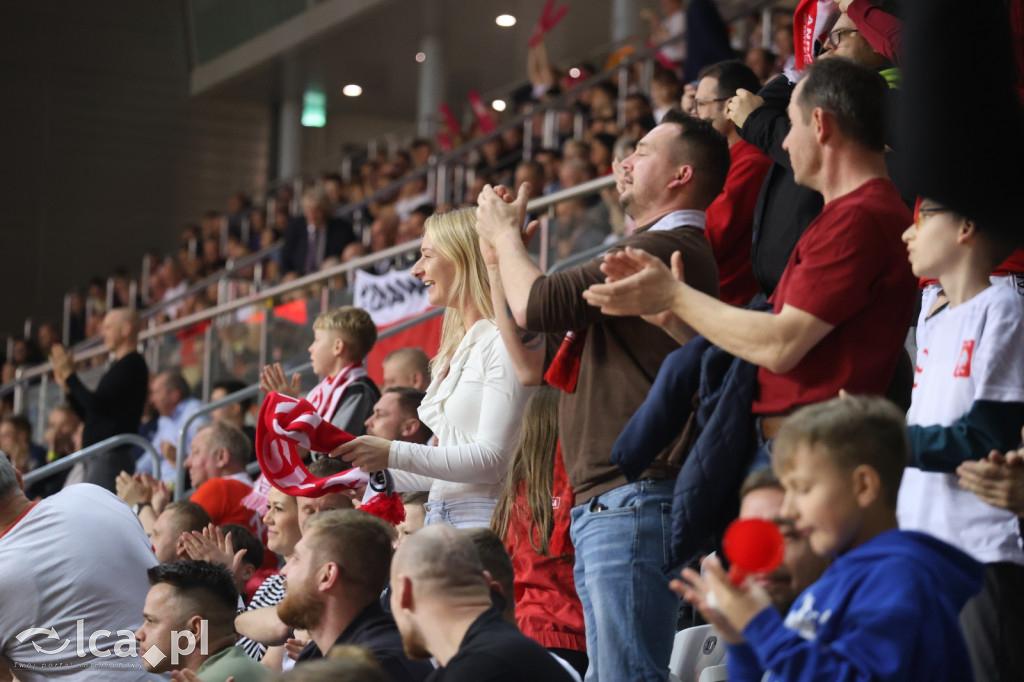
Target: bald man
[
  {"x": 441, "y": 601},
  {"x": 115, "y": 406},
  {"x": 406, "y": 367}
]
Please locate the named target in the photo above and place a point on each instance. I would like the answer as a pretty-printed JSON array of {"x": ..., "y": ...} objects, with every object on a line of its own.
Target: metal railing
[{"x": 93, "y": 450}]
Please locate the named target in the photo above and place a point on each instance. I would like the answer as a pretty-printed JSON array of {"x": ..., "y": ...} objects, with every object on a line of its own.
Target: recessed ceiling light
[
  {"x": 421, "y": 57},
  {"x": 505, "y": 20},
  {"x": 352, "y": 90},
  {"x": 498, "y": 105}
]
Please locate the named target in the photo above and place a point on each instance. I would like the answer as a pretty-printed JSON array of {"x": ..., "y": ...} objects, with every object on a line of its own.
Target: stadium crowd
[{"x": 806, "y": 315}]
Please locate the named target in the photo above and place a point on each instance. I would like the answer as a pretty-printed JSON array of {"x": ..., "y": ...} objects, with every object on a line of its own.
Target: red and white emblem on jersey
[{"x": 963, "y": 363}]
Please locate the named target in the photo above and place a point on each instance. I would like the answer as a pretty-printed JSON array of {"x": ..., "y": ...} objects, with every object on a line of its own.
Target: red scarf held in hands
[{"x": 285, "y": 423}]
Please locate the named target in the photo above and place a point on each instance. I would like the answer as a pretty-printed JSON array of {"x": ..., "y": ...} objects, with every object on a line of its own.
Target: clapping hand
[{"x": 272, "y": 378}]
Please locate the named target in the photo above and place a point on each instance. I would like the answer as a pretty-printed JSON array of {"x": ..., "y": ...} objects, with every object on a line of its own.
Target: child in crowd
[
  {"x": 415, "y": 513},
  {"x": 345, "y": 396},
  {"x": 532, "y": 518},
  {"x": 886, "y": 608},
  {"x": 968, "y": 400}
]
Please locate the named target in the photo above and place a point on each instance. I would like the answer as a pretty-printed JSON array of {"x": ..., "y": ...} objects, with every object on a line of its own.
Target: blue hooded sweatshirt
[{"x": 886, "y": 610}]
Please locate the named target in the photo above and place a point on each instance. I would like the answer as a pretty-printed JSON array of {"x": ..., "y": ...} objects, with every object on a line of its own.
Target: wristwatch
[{"x": 136, "y": 508}]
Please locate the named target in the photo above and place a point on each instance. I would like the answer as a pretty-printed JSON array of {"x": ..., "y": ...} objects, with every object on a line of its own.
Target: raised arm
[
  {"x": 525, "y": 348},
  {"x": 498, "y": 222}
]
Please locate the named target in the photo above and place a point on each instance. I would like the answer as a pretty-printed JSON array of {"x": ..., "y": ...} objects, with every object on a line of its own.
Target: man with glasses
[
  {"x": 730, "y": 217},
  {"x": 846, "y": 40}
]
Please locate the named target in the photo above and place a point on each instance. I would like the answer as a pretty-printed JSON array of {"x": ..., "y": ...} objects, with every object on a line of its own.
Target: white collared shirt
[{"x": 475, "y": 412}]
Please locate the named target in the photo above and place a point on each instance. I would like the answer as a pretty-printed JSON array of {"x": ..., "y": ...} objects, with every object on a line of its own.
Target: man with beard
[
  {"x": 332, "y": 588},
  {"x": 442, "y": 603}
]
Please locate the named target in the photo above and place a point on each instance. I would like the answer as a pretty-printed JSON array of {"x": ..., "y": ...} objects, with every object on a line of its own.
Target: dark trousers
[{"x": 993, "y": 625}]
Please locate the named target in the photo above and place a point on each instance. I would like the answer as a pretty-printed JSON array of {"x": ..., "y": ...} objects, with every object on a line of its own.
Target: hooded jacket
[{"x": 886, "y": 610}]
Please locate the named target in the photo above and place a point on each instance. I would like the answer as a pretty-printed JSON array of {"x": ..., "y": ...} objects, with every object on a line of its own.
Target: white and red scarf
[
  {"x": 326, "y": 395},
  {"x": 286, "y": 423}
]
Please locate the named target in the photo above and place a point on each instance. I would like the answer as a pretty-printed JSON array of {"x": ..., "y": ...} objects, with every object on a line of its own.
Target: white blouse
[{"x": 475, "y": 412}]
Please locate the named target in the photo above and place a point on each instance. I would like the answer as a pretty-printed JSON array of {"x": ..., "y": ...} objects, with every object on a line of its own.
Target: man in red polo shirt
[
  {"x": 730, "y": 217},
  {"x": 842, "y": 309},
  {"x": 216, "y": 465}
]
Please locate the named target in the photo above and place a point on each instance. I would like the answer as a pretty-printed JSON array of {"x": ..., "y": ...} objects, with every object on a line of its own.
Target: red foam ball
[{"x": 754, "y": 545}]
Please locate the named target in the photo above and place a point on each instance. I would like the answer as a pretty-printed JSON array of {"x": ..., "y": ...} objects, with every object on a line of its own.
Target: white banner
[{"x": 391, "y": 297}]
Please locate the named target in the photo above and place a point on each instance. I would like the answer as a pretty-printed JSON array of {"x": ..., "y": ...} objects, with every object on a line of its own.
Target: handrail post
[
  {"x": 265, "y": 335},
  {"x": 110, "y": 293},
  {"x": 39, "y": 432},
  {"x": 19, "y": 391},
  {"x": 550, "y": 128},
  {"x": 207, "y": 360},
  {"x": 623, "y": 91},
  {"x": 528, "y": 138},
  {"x": 145, "y": 279},
  {"x": 65, "y": 334},
  {"x": 133, "y": 294}
]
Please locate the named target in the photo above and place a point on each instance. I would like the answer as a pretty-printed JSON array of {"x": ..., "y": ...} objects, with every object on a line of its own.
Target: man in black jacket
[
  {"x": 442, "y": 603},
  {"x": 314, "y": 236},
  {"x": 115, "y": 406},
  {"x": 333, "y": 583}
]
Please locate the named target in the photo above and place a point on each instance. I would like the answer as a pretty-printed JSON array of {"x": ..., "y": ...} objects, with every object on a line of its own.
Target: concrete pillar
[
  {"x": 289, "y": 139},
  {"x": 431, "y": 87},
  {"x": 625, "y": 20}
]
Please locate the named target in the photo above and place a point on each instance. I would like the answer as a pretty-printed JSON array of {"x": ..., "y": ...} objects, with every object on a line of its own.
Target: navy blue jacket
[{"x": 707, "y": 487}]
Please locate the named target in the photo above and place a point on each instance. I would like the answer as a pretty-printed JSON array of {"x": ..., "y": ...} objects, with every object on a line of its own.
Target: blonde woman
[{"x": 474, "y": 403}]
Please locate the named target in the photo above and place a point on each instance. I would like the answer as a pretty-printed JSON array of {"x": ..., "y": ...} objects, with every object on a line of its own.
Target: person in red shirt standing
[
  {"x": 844, "y": 304},
  {"x": 532, "y": 519},
  {"x": 730, "y": 217}
]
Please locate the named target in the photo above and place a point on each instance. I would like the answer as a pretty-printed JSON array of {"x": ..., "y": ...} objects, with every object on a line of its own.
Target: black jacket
[{"x": 293, "y": 252}]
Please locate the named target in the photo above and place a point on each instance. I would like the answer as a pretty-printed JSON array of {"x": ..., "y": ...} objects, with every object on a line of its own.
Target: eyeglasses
[
  {"x": 697, "y": 101},
  {"x": 835, "y": 37},
  {"x": 922, "y": 213}
]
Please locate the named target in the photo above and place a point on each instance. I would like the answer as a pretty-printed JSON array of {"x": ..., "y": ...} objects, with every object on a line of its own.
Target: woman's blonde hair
[
  {"x": 533, "y": 466},
  {"x": 455, "y": 239}
]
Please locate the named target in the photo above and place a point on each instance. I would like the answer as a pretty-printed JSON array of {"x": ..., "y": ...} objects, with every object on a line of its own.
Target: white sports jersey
[
  {"x": 964, "y": 354},
  {"x": 73, "y": 567}
]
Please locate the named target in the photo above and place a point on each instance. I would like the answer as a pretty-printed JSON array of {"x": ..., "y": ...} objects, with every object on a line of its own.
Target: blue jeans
[
  {"x": 470, "y": 512},
  {"x": 763, "y": 455},
  {"x": 622, "y": 572}
]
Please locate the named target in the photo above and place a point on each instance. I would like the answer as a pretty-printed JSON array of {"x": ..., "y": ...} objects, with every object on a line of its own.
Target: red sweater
[
  {"x": 730, "y": 222},
  {"x": 547, "y": 608}
]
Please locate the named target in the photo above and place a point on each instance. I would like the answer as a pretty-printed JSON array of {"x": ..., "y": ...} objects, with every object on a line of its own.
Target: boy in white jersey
[{"x": 968, "y": 399}]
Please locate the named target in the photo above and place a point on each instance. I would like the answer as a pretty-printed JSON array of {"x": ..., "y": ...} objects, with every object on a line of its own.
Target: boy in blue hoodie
[{"x": 886, "y": 609}]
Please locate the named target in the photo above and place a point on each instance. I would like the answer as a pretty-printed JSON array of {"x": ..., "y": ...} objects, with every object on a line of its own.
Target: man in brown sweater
[{"x": 620, "y": 529}]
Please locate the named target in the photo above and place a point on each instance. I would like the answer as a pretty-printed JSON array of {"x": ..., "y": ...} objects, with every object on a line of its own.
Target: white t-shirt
[
  {"x": 475, "y": 413},
  {"x": 673, "y": 25},
  {"x": 80, "y": 554},
  {"x": 964, "y": 354}
]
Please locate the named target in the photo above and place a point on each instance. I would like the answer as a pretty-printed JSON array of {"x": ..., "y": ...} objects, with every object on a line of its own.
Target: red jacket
[
  {"x": 730, "y": 223},
  {"x": 547, "y": 608}
]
